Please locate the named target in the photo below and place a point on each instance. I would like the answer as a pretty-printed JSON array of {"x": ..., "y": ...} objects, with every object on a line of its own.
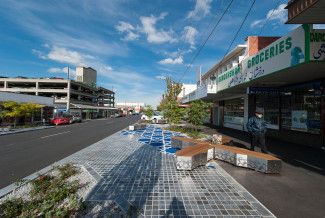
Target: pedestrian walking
[{"x": 256, "y": 126}]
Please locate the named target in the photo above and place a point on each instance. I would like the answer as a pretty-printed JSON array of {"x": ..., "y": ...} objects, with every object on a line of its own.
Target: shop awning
[
  {"x": 83, "y": 106},
  {"x": 298, "y": 74}
]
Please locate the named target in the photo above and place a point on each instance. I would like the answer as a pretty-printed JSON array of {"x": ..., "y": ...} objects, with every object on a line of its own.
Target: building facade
[
  {"x": 86, "y": 75},
  {"x": 130, "y": 107},
  {"x": 284, "y": 76},
  {"x": 69, "y": 95}
]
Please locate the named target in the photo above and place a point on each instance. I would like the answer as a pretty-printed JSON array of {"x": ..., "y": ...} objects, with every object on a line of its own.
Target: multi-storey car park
[{"x": 69, "y": 95}]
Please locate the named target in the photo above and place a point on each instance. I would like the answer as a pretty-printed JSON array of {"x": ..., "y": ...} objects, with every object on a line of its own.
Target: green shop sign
[
  {"x": 317, "y": 45},
  {"x": 317, "y": 37},
  {"x": 229, "y": 74},
  {"x": 270, "y": 52}
]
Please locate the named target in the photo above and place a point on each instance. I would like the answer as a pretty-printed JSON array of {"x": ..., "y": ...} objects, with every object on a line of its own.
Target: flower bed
[{"x": 59, "y": 193}]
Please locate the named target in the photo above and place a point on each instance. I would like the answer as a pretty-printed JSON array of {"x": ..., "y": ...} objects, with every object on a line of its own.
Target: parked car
[
  {"x": 155, "y": 118},
  {"x": 61, "y": 120},
  {"x": 118, "y": 115},
  {"x": 75, "y": 119}
]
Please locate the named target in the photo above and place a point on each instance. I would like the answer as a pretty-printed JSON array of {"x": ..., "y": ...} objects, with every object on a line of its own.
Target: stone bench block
[
  {"x": 219, "y": 139},
  {"x": 264, "y": 165},
  {"x": 180, "y": 143},
  {"x": 137, "y": 127},
  {"x": 225, "y": 155},
  {"x": 210, "y": 155},
  {"x": 191, "y": 162},
  {"x": 241, "y": 160}
]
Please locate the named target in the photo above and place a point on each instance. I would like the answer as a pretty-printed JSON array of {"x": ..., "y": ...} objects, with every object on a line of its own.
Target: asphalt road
[{"x": 25, "y": 153}]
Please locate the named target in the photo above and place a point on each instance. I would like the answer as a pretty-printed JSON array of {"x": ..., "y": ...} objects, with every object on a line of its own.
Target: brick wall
[{"x": 256, "y": 43}]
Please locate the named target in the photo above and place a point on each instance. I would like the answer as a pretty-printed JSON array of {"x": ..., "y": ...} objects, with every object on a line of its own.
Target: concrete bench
[
  {"x": 220, "y": 139},
  {"x": 249, "y": 159},
  {"x": 195, "y": 153},
  {"x": 137, "y": 126},
  {"x": 191, "y": 157},
  {"x": 182, "y": 142}
]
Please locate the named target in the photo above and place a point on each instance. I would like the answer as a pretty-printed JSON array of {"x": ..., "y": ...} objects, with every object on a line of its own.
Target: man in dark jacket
[{"x": 257, "y": 127}]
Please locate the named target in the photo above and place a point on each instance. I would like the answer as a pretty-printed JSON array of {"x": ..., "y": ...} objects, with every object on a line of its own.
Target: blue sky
[{"x": 130, "y": 43}]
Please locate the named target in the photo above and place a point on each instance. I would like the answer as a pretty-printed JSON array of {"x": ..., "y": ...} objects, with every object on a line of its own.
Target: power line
[
  {"x": 205, "y": 41},
  {"x": 261, "y": 30},
  {"x": 241, "y": 25},
  {"x": 267, "y": 19}
]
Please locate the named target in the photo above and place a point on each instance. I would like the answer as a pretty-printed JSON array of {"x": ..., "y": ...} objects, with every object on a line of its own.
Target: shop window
[
  {"x": 234, "y": 111},
  {"x": 270, "y": 103},
  {"x": 301, "y": 108}
]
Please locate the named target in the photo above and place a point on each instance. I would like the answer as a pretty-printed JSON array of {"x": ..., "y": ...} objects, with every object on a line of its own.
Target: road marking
[{"x": 55, "y": 134}]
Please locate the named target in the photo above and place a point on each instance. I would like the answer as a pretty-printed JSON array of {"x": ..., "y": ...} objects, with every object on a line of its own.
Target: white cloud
[
  {"x": 278, "y": 15},
  {"x": 64, "y": 55},
  {"x": 58, "y": 70},
  {"x": 178, "y": 60},
  {"x": 189, "y": 35},
  {"x": 201, "y": 9},
  {"x": 154, "y": 35},
  {"x": 66, "y": 70},
  {"x": 61, "y": 34},
  {"x": 129, "y": 29},
  {"x": 160, "y": 77},
  {"x": 38, "y": 54}
]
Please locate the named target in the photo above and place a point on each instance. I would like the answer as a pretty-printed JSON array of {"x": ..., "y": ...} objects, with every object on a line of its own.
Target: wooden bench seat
[
  {"x": 250, "y": 159},
  {"x": 195, "y": 153},
  {"x": 191, "y": 157},
  {"x": 183, "y": 142}
]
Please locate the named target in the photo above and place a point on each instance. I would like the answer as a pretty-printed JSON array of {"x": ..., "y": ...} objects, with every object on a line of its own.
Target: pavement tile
[{"x": 129, "y": 170}]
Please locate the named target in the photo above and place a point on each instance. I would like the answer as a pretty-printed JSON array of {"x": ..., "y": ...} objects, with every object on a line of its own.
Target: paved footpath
[
  {"x": 24, "y": 153},
  {"x": 131, "y": 172}
]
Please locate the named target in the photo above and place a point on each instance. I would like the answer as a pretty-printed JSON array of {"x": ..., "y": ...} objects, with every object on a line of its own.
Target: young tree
[
  {"x": 15, "y": 110},
  {"x": 198, "y": 112},
  {"x": 173, "y": 113},
  {"x": 11, "y": 109},
  {"x": 29, "y": 109},
  {"x": 148, "y": 111},
  {"x": 172, "y": 90}
]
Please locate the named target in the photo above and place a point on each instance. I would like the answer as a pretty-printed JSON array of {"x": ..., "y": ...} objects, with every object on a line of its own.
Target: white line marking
[{"x": 54, "y": 134}]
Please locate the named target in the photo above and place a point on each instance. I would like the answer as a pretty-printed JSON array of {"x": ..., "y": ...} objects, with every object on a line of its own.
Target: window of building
[
  {"x": 234, "y": 111},
  {"x": 270, "y": 103},
  {"x": 301, "y": 108}
]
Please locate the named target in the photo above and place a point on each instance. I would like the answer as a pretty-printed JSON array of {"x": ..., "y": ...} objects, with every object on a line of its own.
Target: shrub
[
  {"x": 50, "y": 196},
  {"x": 198, "y": 112},
  {"x": 173, "y": 113}
]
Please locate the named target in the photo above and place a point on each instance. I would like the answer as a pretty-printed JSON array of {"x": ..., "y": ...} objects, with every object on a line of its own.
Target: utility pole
[
  {"x": 68, "y": 73},
  {"x": 199, "y": 76}
]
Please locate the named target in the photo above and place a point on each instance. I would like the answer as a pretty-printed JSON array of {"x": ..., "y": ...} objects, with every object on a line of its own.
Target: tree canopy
[
  {"x": 198, "y": 112},
  {"x": 172, "y": 90},
  {"x": 148, "y": 111}
]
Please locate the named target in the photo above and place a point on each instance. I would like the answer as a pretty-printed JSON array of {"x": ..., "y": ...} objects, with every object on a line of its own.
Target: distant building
[
  {"x": 69, "y": 95},
  {"x": 186, "y": 89},
  {"x": 86, "y": 75},
  {"x": 128, "y": 107}
]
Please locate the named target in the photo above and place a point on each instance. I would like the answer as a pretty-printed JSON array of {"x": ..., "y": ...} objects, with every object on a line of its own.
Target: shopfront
[
  {"x": 233, "y": 113},
  {"x": 294, "y": 111},
  {"x": 286, "y": 79}
]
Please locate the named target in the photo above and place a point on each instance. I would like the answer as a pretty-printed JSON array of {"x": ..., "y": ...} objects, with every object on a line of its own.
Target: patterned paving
[
  {"x": 134, "y": 172},
  {"x": 155, "y": 136}
]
